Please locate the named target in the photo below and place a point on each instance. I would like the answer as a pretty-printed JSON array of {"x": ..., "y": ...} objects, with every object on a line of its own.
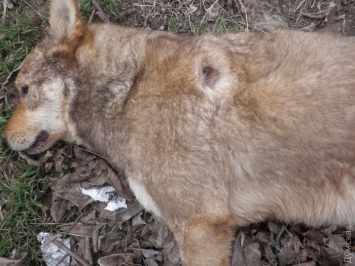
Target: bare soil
[{"x": 134, "y": 237}]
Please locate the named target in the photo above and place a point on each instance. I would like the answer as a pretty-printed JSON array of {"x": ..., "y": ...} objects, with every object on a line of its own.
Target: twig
[
  {"x": 100, "y": 12},
  {"x": 251, "y": 27},
  {"x": 310, "y": 27},
  {"x": 141, "y": 5},
  {"x": 312, "y": 5},
  {"x": 244, "y": 12},
  {"x": 92, "y": 15},
  {"x": 278, "y": 237},
  {"x": 88, "y": 254},
  {"x": 29, "y": 160},
  {"x": 299, "y": 6},
  {"x": 35, "y": 10},
  {"x": 91, "y": 152},
  {"x": 70, "y": 252},
  {"x": 285, "y": 15},
  {"x": 10, "y": 76},
  {"x": 314, "y": 16},
  {"x": 5, "y": 3}
]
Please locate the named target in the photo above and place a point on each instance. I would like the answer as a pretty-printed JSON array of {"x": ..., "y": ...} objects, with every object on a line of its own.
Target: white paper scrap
[
  {"x": 53, "y": 255},
  {"x": 103, "y": 195}
]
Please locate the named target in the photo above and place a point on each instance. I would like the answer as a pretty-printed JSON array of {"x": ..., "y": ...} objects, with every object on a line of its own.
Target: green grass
[
  {"x": 219, "y": 26},
  {"x": 22, "y": 214},
  {"x": 85, "y": 8},
  {"x": 201, "y": 26},
  {"x": 16, "y": 39},
  {"x": 222, "y": 27},
  {"x": 174, "y": 25},
  {"x": 19, "y": 183},
  {"x": 112, "y": 7},
  {"x": 19, "y": 207}
]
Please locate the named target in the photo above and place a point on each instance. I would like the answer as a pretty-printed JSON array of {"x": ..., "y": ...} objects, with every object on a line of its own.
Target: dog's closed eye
[{"x": 24, "y": 91}]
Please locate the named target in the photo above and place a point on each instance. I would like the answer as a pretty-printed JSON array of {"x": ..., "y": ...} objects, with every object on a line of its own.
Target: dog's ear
[{"x": 65, "y": 20}]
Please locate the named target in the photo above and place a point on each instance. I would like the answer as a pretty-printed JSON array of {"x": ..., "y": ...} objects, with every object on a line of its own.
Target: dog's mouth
[{"x": 37, "y": 145}]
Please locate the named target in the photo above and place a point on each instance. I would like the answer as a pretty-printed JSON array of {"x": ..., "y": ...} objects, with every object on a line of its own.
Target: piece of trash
[
  {"x": 104, "y": 194},
  {"x": 53, "y": 255},
  {"x": 193, "y": 9}
]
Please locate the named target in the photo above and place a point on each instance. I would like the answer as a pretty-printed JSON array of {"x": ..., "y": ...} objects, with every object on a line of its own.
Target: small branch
[
  {"x": 29, "y": 160},
  {"x": 314, "y": 16},
  {"x": 299, "y": 6},
  {"x": 35, "y": 10},
  {"x": 92, "y": 15},
  {"x": 100, "y": 12},
  {"x": 5, "y": 3},
  {"x": 70, "y": 252},
  {"x": 243, "y": 12}
]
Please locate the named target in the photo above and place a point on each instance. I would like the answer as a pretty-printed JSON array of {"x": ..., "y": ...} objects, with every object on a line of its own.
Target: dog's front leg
[{"x": 205, "y": 242}]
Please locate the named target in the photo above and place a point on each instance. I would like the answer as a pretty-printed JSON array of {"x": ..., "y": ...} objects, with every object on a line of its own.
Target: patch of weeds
[
  {"x": 85, "y": 8},
  {"x": 16, "y": 37},
  {"x": 201, "y": 26},
  {"x": 5, "y": 115},
  {"x": 173, "y": 25},
  {"x": 111, "y": 6},
  {"x": 21, "y": 213},
  {"x": 274, "y": 2},
  {"x": 221, "y": 26}
]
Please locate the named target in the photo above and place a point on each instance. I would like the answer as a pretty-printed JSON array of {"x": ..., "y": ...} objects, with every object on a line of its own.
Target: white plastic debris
[
  {"x": 193, "y": 9},
  {"x": 53, "y": 255},
  {"x": 104, "y": 195}
]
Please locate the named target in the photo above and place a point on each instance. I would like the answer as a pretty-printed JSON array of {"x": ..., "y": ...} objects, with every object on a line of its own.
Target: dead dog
[{"x": 235, "y": 128}]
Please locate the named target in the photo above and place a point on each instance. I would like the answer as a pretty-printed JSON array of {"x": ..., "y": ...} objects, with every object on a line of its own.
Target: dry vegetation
[{"x": 131, "y": 236}]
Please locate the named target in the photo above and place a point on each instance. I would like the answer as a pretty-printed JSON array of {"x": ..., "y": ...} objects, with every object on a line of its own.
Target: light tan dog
[{"x": 212, "y": 132}]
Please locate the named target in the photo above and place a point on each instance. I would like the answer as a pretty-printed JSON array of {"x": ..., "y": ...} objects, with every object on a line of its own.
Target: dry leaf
[{"x": 17, "y": 258}]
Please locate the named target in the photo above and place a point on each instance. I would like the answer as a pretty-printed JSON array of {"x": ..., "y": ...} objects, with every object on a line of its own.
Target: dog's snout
[{"x": 4, "y": 141}]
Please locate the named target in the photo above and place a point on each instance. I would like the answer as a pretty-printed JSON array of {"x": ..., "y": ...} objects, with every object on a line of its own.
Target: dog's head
[{"x": 40, "y": 118}]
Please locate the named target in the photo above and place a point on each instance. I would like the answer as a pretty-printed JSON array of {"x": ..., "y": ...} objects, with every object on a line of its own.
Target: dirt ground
[{"x": 134, "y": 237}]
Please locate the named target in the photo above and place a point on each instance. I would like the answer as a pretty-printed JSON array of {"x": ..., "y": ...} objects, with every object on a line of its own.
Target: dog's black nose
[
  {"x": 43, "y": 135},
  {"x": 3, "y": 142}
]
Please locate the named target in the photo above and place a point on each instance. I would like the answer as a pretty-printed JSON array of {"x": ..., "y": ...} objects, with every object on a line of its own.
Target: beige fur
[{"x": 212, "y": 132}]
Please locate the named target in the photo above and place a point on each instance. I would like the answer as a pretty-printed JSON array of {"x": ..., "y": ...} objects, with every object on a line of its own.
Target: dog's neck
[
  {"x": 108, "y": 69},
  {"x": 103, "y": 84},
  {"x": 111, "y": 70}
]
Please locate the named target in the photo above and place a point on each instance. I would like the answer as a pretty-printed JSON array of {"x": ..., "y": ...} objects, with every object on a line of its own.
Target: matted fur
[{"x": 212, "y": 132}]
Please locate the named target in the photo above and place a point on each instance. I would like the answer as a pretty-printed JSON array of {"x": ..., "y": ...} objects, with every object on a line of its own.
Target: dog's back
[{"x": 300, "y": 113}]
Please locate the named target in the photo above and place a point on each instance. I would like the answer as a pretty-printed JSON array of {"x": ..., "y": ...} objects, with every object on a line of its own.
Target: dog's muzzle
[{"x": 42, "y": 136}]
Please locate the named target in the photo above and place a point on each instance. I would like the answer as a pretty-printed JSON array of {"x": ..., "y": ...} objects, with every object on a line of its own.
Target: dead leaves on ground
[
  {"x": 195, "y": 16},
  {"x": 275, "y": 244},
  {"x": 128, "y": 236},
  {"x": 17, "y": 258}
]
